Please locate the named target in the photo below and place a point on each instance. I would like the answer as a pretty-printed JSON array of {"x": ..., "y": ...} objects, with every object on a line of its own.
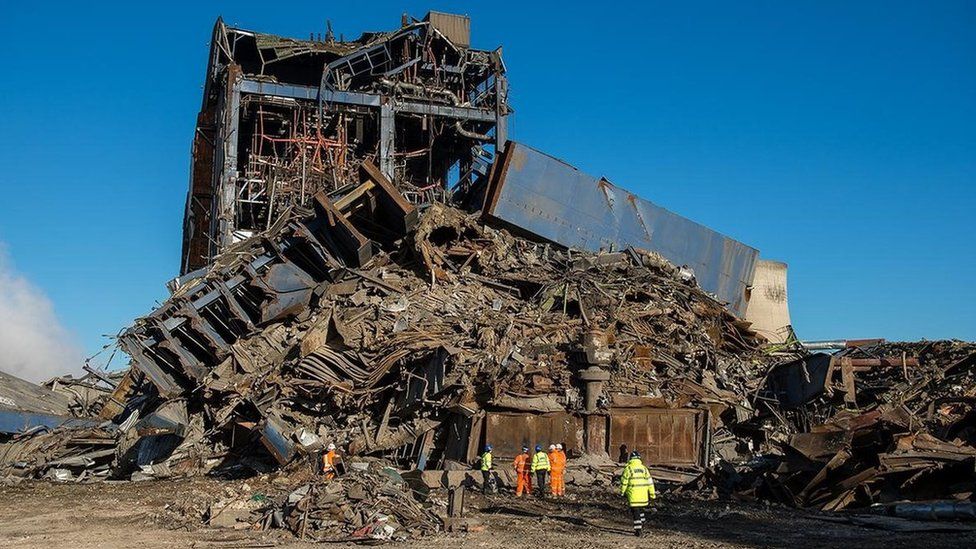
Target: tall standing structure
[{"x": 283, "y": 119}]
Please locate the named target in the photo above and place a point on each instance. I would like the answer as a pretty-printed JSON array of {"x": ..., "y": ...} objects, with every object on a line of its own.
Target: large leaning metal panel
[{"x": 549, "y": 198}]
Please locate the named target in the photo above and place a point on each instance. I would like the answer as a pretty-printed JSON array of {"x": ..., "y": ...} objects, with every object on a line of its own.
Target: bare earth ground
[{"x": 72, "y": 516}]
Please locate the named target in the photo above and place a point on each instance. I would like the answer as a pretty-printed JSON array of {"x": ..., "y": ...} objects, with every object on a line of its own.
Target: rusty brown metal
[
  {"x": 115, "y": 404},
  {"x": 675, "y": 437},
  {"x": 847, "y": 378},
  {"x": 456, "y": 28},
  {"x": 595, "y": 437},
  {"x": 869, "y": 363},
  {"x": 398, "y": 214},
  {"x": 346, "y": 240},
  {"x": 508, "y": 432}
]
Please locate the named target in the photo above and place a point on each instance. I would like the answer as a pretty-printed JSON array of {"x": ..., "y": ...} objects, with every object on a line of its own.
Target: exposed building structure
[{"x": 282, "y": 119}]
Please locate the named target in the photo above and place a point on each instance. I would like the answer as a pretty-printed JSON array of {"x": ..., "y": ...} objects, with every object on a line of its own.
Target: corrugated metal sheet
[
  {"x": 508, "y": 432},
  {"x": 457, "y": 28},
  {"x": 675, "y": 437},
  {"x": 553, "y": 200}
]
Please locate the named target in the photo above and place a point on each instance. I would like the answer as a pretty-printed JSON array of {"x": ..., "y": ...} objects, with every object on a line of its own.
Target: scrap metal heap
[
  {"x": 397, "y": 349},
  {"x": 873, "y": 424},
  {"x": 283, "y": 341}
]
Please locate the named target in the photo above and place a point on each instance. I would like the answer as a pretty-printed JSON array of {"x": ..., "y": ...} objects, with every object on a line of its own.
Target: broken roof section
[{"x": 551, "y": 199}]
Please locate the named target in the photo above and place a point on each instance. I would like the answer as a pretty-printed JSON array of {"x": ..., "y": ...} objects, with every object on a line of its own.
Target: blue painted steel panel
[
  {"x": 551, "y": 199},
  {"x": 15, "y": 421}
]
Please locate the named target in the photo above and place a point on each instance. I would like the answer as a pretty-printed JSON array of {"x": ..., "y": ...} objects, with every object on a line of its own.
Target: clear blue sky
[{"x": 839, "y": 137}]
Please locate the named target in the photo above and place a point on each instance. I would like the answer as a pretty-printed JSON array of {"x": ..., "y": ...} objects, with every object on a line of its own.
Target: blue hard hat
[
  {"x": 538, "y": 447},
  {"x": 488, "y": 447}
]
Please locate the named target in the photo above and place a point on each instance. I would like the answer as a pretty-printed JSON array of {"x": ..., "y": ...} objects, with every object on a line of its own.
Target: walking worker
[
  {"x": 523, "y": 473},
  {"x": 540, "y": 466},
  {"x": 557, "y": 463},
  {"x": 486, "y": 468},
  {"x": 636, "y": 483}
]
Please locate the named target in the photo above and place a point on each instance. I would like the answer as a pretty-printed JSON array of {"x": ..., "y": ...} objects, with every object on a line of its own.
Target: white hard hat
[
  {"x": 331, "y": 446},
  {"x": 552, "y": 446},
  {"x": 559, "y": 446}
]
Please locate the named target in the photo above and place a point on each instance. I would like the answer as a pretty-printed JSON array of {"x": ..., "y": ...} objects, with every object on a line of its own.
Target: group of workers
[
  {"x": 636, "y": 483},
  {"x": 549, "y": 468}
]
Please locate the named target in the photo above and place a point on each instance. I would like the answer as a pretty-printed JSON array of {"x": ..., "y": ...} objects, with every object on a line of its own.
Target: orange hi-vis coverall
[
  {"x": 557, "y": 479},
  {"x": 524, "y": 474},
  {"x": 328, "y": 464}
]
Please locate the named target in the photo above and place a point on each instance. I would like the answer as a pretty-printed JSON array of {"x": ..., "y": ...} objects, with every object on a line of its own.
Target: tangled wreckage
[{"x": 369, "y": 261}]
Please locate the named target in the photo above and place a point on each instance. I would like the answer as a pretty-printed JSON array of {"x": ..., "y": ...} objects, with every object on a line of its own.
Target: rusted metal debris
[
  {"x": 873, "y": 424},
  {"x": 370, "y": 502},
  {"x": 289, "y": 338}
]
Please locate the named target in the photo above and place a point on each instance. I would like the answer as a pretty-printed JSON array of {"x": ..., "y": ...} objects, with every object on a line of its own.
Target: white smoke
[{"x": 33, "y": 343}]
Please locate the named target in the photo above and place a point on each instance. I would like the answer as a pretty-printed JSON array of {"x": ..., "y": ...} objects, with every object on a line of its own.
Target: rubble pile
[
  {"x": 884, "y": 423},
  {"x": 361, "y": 504},
  {"x": 66, "y": 453},
  {"x": 86, "y": 394},
  {"x": 384, "y": 360},
  {"x": 370, "y": 501},
  {"x": 282, "y": 347}
]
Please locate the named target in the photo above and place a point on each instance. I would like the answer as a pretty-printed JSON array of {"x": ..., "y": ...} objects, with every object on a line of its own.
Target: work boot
[{"x": 638, "y": 532}]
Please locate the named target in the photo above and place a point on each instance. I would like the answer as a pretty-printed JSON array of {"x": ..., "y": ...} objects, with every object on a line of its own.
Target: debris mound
[{"x": 873, "y": 424}]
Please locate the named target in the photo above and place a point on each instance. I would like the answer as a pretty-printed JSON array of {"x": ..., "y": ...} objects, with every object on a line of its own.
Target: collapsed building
[{"x": 368, "y": 260}]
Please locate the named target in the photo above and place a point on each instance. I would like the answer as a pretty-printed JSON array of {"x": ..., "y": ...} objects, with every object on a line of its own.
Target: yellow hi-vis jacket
[
  {"x": 486, "y": 461},
  {"x": 540, "y": 462},
  {"x": 636, "y": 483}
]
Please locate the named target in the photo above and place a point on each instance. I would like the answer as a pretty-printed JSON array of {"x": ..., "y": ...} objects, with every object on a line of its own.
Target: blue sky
[{"x": 838, "y": 137}]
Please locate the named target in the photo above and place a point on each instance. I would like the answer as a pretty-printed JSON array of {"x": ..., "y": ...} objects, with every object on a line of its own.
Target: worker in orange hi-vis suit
[
  {"x": 523, "y": 473},
  {"x": 557, "y": 459},
  {"x": 329, "y": 462}
]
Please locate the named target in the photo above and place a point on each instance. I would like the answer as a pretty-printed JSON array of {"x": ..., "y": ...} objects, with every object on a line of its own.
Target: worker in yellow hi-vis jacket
[
  {"x": 540, "y": 466},
  {"x": 636, "y": 483},
  {"x": 486, "y": 468}
]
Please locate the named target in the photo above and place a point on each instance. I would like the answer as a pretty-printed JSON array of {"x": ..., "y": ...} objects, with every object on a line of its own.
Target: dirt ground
[{"x": 144, "y": 515}]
